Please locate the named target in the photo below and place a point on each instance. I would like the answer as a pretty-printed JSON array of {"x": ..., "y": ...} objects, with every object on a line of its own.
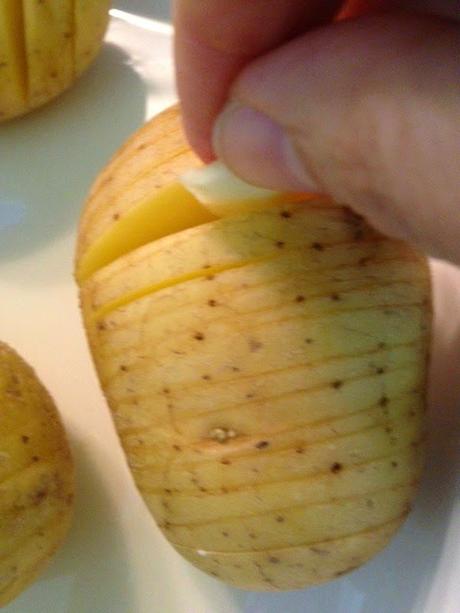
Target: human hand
[{"x": 366, "y": 110}]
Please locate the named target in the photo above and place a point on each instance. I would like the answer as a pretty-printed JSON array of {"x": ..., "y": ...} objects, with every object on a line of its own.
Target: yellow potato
[
  {"x": 266, "y": 371},
  {"x": 12, "y": 60},
  {"x": 44, "y": 46},
  {"x": 36, "y": 477},
  {"x": 91, "y": 18}
]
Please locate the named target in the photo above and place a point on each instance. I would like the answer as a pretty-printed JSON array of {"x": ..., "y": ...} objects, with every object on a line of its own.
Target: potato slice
[
  {"x": 91, "y": 19},
  {"x": 49, "y": 32},
  {"x": 36, "y": 477},
  {"x": 266, "y": 372},
  {"x": 149, "y": 161},
  {"x": 12, "y": 59}
]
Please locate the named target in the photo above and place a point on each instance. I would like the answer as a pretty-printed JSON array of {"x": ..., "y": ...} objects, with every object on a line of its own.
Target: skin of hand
[{"x": 361, "y": 102}]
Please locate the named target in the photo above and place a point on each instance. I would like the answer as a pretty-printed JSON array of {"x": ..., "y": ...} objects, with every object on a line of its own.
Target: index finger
[{"x": 215, "y": 39}]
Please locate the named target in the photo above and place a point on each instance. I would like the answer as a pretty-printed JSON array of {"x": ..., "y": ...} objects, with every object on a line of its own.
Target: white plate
[{"x": 116, "y": 560}]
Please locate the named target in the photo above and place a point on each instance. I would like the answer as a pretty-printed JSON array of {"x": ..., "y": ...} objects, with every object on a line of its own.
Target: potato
[
  {"x": 266, "y": 371},
  {"x": 36, "y": 477},
  {"x": 44, "y": 47}
]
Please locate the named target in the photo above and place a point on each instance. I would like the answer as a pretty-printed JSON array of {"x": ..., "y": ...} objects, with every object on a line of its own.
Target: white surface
[{"x": 116, "y": 560}]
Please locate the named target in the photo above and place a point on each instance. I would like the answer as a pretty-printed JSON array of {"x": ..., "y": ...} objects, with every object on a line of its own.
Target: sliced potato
[
  {"x": 266, "y": 371},
  {"x": 36, "y": 477},
  {"x": 49, "y": 32},
  {"x": 91, "y": 19},
  {"x": 12, "y": 59},
  {"x": 44, "y": 46}
]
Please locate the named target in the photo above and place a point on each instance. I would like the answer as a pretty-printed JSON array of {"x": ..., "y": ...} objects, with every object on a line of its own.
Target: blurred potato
[
  {"x": 44, "y": 46},
  {"x": 36, "y": 477}
]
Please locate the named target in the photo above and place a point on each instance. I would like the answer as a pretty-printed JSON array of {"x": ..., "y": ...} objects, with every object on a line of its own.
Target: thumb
[{"x": 366, "y": 111}]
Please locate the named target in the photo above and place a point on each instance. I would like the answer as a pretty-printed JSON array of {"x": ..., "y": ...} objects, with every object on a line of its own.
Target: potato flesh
[
  {"x": 303, "y": 333},
  {"x": 36, "y": 477},
  {"x": 147, "y": 163},
  {"x": 171, "y": 210}
]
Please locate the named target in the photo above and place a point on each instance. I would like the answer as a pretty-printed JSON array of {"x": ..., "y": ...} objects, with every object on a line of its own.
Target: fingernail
[{"x": 257, "y": 149}]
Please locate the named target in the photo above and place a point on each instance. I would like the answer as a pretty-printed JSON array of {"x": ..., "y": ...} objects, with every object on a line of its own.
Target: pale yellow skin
[
  {"x": 44, "y": 46},
  {"x": 36, "y": 477},
  {"x": 266, "y": 372}
]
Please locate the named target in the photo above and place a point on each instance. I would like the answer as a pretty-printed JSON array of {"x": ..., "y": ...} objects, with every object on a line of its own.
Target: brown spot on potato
[
  {"x": 337, "y": 384},
  {"x": 300, "y": 298},
  {"x": 274, "y": 560},
  {"x": 280, "y": 244},
  {"x": 262, "y": 445},
  {"x": 254, "y": 345},
  {"x": 39, "y": 496},
  {"x": 319, "y": 551},
  {"x": 336, "y": 467},
  {"x": 25, "y": 439},
  {"x": 317, "y": 246},
  {"x": 198, "y": 336}
]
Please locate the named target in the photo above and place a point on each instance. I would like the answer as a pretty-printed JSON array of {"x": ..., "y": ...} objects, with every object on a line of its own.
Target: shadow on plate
[
  {"x": 154, "y": 9},
  {"x": 50, "y": 157}
]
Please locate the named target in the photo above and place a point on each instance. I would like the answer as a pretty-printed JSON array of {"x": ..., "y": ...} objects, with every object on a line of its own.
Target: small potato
[
  {"x": 36, "y": 477},
  {"x": 266, "y": 371},
  {"x": 44, "y": 46}
]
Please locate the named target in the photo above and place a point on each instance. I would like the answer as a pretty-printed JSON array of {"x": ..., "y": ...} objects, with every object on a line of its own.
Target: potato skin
[
  {"x": 36, "y": 477},
  {"x": 44, "y": 47},
  {"x": 266, "y": 374}
]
